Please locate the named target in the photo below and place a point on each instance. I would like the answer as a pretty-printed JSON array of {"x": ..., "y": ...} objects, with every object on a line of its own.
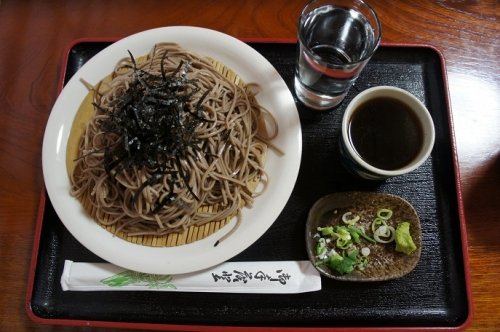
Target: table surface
[{"x": 34, "y": 35}]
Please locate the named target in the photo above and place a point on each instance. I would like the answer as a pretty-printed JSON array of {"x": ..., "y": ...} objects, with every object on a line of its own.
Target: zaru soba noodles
[{"x": 169, "y": 136}]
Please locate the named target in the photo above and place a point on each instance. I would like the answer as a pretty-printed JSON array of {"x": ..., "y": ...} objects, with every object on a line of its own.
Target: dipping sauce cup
[
  {"x": 386, "y": 132},
  {"x": 336, "y": 39}
]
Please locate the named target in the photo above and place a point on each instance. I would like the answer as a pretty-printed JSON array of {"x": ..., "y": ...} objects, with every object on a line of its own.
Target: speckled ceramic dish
[{"x": 384, "y": 262}]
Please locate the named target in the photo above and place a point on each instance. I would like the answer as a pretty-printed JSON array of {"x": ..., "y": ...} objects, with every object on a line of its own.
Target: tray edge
[{"x": 463, "y": 232}]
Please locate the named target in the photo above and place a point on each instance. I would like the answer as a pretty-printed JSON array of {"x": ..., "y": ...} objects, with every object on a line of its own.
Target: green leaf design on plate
[{"x": 126, "y": 278}]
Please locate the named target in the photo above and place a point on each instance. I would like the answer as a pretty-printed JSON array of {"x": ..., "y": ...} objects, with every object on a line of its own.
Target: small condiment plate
[{"x": 385, "y": 262}]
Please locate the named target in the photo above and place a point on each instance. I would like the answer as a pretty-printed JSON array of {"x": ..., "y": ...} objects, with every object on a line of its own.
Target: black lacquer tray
[{"x": 434, "y": 295}]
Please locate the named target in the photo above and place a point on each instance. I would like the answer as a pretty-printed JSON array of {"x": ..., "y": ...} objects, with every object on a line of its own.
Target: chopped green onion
[
  {"x": 377, "y": 222},
  {"x": 384, "y": 234},
  {"x": 365, "y": 251},
  {"x": 343, "y": 243},
  {"x": 385, "y": 214},
  {"x": 326, "y": 230},
  {"x": 354, "y": 235},
  {"x": 360, "y": 232},
  {"x": 346, "y": 218},
  {"x": 343, "y": 264},
  {"x": 321, "y": 247},
  {"x": 342, "y": 233},
  {"x": 362, "y": 263}
]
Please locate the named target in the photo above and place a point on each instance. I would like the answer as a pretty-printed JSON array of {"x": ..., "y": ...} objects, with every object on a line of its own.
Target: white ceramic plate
[{"x": 275, "y": 96}]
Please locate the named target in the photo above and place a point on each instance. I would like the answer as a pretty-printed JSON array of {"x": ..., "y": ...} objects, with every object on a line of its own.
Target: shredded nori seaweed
[{"x": 155, "y": 121}]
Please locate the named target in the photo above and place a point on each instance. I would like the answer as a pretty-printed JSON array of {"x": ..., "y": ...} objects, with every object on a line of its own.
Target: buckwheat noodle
[{"x": 209, "y": 182}]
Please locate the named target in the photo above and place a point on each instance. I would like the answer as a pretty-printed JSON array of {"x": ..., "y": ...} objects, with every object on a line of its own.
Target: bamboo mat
[{"x": 191, "y": 234}]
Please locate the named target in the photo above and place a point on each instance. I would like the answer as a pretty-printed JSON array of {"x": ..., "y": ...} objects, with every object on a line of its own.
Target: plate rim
[{"x": 171, "y": 266}]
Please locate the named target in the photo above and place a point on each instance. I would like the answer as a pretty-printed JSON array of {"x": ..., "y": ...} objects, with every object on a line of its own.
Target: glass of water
[{"x": 336, "y": 38}]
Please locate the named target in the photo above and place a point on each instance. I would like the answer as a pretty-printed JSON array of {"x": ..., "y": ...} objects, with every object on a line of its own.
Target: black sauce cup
[{"x": 356, "y": 163}]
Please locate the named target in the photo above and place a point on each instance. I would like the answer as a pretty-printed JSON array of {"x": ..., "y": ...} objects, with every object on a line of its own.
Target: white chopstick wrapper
[{"x": 273, "y": 277}]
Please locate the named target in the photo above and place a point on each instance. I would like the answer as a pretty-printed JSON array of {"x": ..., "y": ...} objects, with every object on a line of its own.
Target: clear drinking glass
[{"x": 336, "y": 38}]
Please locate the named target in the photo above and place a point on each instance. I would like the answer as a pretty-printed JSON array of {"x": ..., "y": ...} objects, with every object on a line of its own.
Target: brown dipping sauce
[{"x": 386, "y": 133}]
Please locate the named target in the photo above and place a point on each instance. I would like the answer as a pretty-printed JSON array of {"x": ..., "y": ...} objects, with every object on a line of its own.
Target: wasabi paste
[{"x": 404, "y": 242}]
